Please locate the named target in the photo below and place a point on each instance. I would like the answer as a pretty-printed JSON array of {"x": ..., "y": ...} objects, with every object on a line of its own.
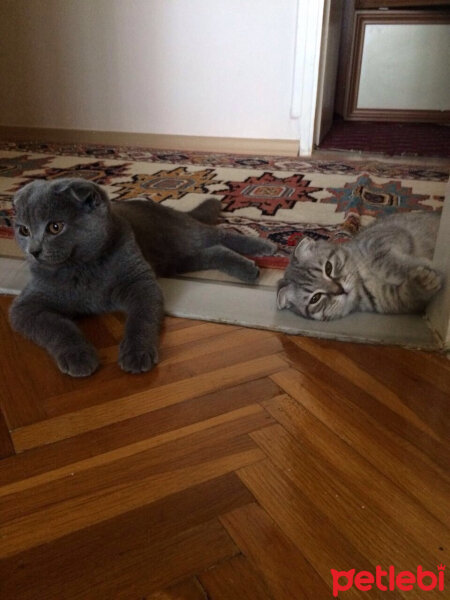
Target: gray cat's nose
[{"x": 35, "y": 253}]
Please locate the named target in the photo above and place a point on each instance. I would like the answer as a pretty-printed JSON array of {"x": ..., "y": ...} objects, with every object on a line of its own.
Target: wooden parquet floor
[{"x": 247, "y": 465}]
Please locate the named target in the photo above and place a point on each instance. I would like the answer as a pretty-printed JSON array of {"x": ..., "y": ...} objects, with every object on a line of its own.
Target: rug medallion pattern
[{"x": 279, "y": 198}]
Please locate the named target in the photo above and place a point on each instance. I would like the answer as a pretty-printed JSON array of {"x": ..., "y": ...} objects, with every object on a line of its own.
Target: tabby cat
[{"x": 386, "y": 268}]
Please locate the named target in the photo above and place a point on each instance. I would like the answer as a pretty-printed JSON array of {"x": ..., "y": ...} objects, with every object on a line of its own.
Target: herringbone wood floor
[{"x": 246, "y": 465}]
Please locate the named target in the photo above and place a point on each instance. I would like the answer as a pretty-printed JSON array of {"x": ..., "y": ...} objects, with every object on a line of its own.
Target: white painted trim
[
  {"x": 298, "y": 68},
  {"x": 306, "y": 70}
]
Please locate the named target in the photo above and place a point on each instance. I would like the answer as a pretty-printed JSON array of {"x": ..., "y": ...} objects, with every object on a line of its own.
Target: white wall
[{"x": 219, "y": 68}]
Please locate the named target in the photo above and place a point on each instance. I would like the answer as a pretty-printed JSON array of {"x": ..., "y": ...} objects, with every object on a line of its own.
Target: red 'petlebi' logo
[{"x": 388, "y": 580}]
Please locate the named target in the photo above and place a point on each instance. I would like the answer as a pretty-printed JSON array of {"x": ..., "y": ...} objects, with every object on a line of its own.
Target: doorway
[{"x": 384, "y": 82}]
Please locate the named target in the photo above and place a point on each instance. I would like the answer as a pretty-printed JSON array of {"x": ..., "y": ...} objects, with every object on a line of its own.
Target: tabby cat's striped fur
[{"x": 386, "y": 268}]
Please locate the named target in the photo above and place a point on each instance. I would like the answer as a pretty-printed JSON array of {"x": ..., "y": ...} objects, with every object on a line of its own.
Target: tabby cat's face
[
  {"x": 319, "y": 282},
  {"x": 60, "y": 221}
]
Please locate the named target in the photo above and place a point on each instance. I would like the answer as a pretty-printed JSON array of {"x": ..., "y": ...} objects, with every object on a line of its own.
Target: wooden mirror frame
[{"x": 363, "y": 18}]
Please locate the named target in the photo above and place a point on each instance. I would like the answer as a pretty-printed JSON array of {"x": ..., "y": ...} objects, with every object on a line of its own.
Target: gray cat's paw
[
  {"x": 137, "y": 360},
  {"x": 249, "y": 272},
  {"x": 79, "y": 362},
  {"x": 268, "y": 248},
  {"x": 428, "y": 279}
]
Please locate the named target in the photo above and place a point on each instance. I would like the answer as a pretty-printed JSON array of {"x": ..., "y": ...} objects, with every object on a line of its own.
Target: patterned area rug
[{"x": 279, "y": 198}]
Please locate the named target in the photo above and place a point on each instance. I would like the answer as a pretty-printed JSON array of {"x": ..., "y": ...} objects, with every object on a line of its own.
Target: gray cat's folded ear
[
  {"x": 88, "y": 194},
  {"x": 18, "y": 196},
  {"x": 285, "y": 295},
  {"x": 27, "y": 190},
  {"x": 305, "y": 245}
]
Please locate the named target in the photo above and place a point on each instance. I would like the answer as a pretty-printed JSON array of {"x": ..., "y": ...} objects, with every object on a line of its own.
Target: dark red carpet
[{"x": 417, "y": 139}]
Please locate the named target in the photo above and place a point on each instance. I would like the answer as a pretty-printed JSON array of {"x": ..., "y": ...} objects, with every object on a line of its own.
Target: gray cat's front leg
[
  {"x": 56, "y": 333},
  {"x": 246, "y": 244},
  {"x": 224, "y": 259},
  {"x": 143, "y": 303}
]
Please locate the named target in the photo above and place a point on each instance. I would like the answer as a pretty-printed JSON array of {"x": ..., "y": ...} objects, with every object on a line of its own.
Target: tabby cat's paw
[
  {"x": 79, "y": 362},
  {"x": 137, "y": 360},
  {"x": 428, "y": 279}
]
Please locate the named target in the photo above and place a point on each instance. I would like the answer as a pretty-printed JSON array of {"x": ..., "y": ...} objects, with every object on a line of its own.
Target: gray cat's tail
[{"x": 207, "y": 212}]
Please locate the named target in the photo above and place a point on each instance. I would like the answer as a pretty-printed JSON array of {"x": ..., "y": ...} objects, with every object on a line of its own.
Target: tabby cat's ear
[
  {"x": 305, "y": 245},
  {"x": 88, "y": 194},
  {"x": 285, "y": 295}
]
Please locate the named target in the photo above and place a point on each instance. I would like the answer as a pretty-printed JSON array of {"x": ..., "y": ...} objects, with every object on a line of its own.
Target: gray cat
[
  {"x": 89, "y": 256},
  {"x": 386, "y": 268}
]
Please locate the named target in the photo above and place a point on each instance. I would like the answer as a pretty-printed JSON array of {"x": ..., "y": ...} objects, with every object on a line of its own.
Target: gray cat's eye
[
  {"x": 315, "y": 299},
  {"x": 55, "y": 227},
  {"x": 24, "y": 231},
  {"x": 328, "y": 268}
]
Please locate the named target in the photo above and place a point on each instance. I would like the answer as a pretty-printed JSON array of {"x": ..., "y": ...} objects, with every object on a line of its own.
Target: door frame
[
  {"x": 309, "y": 32},
  {"x": 328, "y": 67}
]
